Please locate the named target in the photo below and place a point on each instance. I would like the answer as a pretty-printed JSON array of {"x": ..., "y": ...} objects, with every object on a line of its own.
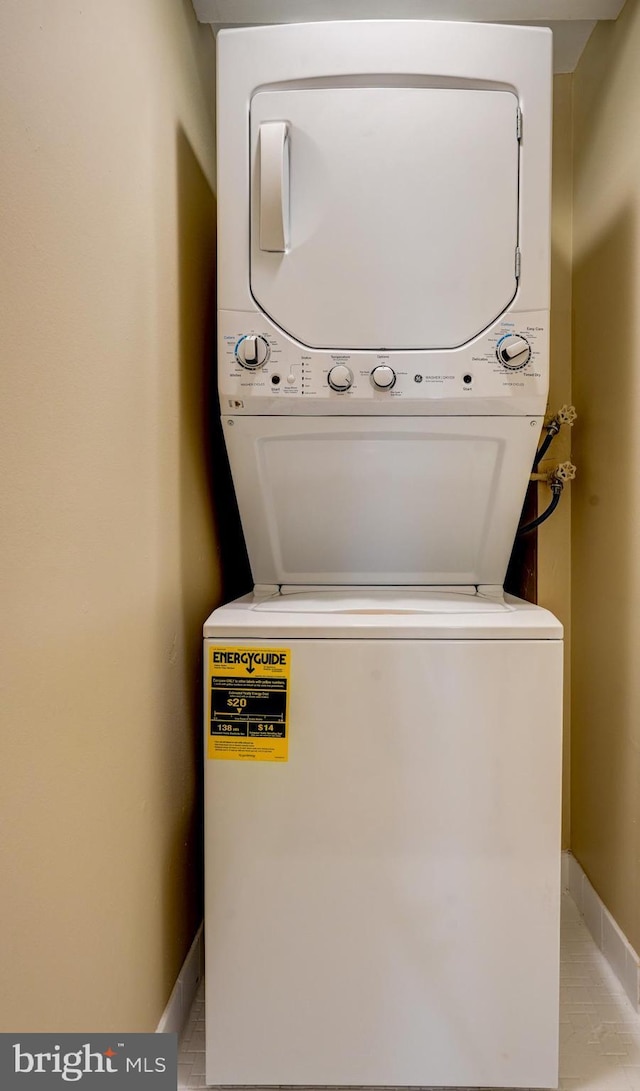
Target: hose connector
[
  {"x": 556, "y": 481},
  {"x": 567, "y": 415},
  {"x": 565, "y": 471}
]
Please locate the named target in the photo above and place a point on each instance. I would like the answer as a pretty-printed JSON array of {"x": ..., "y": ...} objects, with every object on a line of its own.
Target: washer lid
[
  {"x": 381, "y": 603},
  {"x": 384, "y": 217},
  {"x": 370, "y": 614}
]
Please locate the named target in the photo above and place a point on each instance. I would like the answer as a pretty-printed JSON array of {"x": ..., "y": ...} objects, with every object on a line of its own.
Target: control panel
[{"x": 262, "y": 370}]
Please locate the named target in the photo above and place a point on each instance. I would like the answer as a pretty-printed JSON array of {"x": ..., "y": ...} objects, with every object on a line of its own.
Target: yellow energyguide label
[{"x": 248, "y": 703}]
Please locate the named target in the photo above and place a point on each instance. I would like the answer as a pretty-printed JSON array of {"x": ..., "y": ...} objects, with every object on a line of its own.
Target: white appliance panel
[
  {"x": 361, "y": 500},
  {"x": 366, "y": 902},
  {"x": 401, "y": 209},
  {"x": 469, "y": 381}
]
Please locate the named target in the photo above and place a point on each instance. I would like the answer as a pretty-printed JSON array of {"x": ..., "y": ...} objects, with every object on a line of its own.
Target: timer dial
[
  {"x": 252, "y": 352},
  {"x": 513, "y": 351}
]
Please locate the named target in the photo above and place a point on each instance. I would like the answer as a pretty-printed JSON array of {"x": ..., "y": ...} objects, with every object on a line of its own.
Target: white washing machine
[
  {"x": 382, "y": 908},
  {"x": 382, "y": 724}
]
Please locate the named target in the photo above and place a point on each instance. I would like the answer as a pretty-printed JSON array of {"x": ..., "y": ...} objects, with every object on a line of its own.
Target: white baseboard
[
  {"x": 179, "y": 1004},
  {"x": 611, "y": 940},
  {"x": 564, "y": 874}
]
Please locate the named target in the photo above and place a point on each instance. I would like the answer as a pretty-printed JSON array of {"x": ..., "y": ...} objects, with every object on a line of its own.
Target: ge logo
[{"x": 417, "y": 378}]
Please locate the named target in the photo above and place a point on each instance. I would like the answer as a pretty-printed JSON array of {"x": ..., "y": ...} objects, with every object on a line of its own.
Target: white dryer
[{"x": 382, "y": 725}]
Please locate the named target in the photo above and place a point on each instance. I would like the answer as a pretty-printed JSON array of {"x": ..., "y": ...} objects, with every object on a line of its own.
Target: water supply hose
[
  {"x": 556, "y": 481},
  {"x": 555, "y": 500}
]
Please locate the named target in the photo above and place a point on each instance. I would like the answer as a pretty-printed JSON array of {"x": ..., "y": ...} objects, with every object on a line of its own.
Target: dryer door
[
  {"x": 366, "y": 500},
  {"x": 384, "y": 217}
]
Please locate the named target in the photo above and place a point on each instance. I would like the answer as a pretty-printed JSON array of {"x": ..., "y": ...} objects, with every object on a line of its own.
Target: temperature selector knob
[
  {"x": 252, "y": 352},
  {"x": 383, "y": 377},
  {"x": 513, "y": 351},
  {"x": 340, "y": 377}
]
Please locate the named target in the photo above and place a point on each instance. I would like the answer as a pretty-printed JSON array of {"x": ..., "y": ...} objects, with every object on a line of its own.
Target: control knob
[
  {"x": 383, "y": 377},
  {"x": 252, "y": 352},
  {"x": 340, "y": 378},
  {"x": 513, "y": 351}
]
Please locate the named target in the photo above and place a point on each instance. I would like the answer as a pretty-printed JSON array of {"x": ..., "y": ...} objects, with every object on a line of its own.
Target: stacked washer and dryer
[{"x": 382, "y": 723}]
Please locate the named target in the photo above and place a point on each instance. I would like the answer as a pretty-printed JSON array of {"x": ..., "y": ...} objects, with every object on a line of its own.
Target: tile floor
[{"x": 599, "y": 1030}]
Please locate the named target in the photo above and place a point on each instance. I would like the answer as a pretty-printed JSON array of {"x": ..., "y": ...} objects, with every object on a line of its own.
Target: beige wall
[
  {"x": 554, "y": 537},
  {"x": 606, "y": 497},
  {"x": 107, "y": 541}
]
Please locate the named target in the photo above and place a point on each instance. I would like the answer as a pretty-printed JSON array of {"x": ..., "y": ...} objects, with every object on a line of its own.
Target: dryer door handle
[{"x": 274, "y": 186}]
